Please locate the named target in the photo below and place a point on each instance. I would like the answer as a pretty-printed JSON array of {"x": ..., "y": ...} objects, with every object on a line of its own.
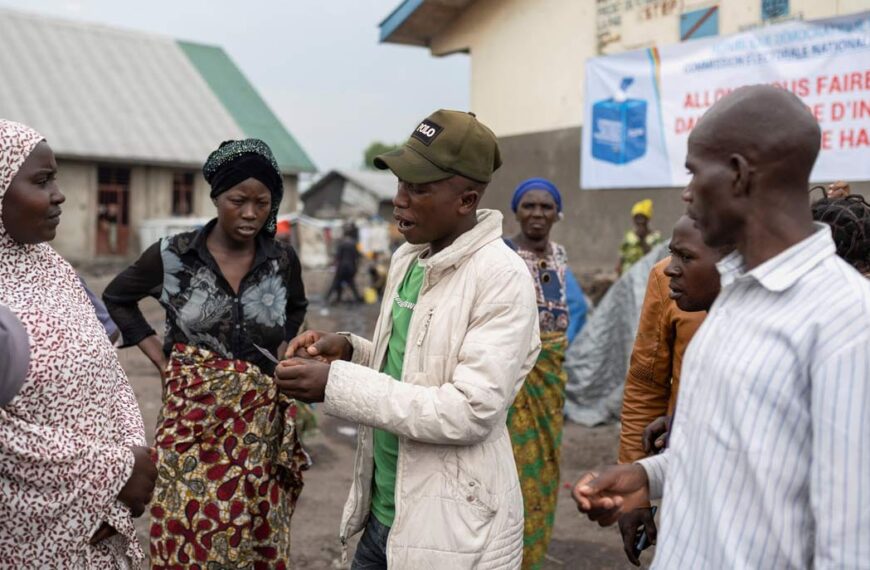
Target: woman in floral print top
[
  {"x": 202, "y": 307},
  {"x": 229, "y": 287},
  {"x": 229, "y": 459}
]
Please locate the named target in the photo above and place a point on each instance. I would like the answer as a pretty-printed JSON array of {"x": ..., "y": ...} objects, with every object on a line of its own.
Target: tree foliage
[{"x": 374, "y": 149}]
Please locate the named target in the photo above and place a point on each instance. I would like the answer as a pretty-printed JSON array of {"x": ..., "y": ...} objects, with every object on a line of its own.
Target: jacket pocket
[
  {"x": 441, "y": 518},
  {"x": 469, "y": 490},
  {"x": 468, "y": 514},
  {"x": 471, "y": 493}
]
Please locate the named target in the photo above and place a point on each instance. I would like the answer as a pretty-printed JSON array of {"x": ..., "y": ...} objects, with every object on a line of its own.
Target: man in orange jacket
[{"x": 680, "y": 290}]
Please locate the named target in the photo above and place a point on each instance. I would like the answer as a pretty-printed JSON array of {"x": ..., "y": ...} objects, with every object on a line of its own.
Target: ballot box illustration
[{"x": 619, "y": 127}]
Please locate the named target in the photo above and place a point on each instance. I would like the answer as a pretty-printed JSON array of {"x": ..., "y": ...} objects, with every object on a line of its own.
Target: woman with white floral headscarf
[
  {"x": 73, "y": 466},
  {"x": 229, "y": 458}
]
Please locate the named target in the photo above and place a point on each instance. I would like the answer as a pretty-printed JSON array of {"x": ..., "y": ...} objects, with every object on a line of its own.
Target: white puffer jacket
[{"x": 472, "y": 339}]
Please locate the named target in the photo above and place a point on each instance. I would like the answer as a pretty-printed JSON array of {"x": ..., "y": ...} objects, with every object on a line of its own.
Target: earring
[{"x": 561, "y": 216}]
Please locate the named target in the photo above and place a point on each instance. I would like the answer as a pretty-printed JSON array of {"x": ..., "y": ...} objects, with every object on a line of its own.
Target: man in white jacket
[{"x": 435, "y": 483}]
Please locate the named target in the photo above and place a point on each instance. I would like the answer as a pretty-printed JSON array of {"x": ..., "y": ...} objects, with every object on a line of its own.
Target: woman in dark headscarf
[{"x": 229, "y": 458}]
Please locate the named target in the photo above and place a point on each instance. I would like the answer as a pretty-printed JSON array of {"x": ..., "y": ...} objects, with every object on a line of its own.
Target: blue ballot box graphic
[{"x": 619, "y": 127}]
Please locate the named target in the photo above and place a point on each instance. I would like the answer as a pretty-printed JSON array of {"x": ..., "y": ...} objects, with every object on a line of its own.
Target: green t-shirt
[{"x": 386, "y": 443}]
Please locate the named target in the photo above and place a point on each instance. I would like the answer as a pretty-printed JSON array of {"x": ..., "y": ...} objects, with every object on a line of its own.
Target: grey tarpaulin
[{"x": 597, "y": 360}]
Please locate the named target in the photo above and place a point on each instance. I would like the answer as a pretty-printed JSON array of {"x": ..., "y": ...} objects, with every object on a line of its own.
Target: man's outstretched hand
[
  {"x": 303, "y": 379},
  {"x": 616, "y": 490},
  {"x": 323, "y": 346}
]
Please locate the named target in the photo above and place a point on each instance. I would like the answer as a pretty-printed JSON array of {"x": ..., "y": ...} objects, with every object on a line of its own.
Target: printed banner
[{"x": 640, "y": 106}]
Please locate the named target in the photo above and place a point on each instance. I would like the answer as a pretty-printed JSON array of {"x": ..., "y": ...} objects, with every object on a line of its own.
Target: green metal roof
[{"x": 246, "y": 106}]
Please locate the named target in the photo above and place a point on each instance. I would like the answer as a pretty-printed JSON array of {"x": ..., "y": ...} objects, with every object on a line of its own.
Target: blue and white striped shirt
[{"x": 769, "y": 465}]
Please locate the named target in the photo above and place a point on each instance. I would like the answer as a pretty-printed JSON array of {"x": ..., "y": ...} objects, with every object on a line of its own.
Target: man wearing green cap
[{"x": 435, "y": 483}]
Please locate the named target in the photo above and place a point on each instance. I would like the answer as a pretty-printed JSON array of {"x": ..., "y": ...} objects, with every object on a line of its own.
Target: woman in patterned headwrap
[
  {"x": 73, "y": 466},
  {"x": 229, "y": 458},
  {"x": 535, "y": 418}
]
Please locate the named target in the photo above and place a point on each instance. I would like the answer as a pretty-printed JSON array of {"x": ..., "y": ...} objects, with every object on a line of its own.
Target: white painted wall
[
  {"x": 291, "y": 194},
  {"x": 202, "y": 205},
  {"x": 78, "y": 227},
  {"x": 527, "y": 55},
  {"x": 150, "y": 194},
  {"x": 526, "y": 61}
]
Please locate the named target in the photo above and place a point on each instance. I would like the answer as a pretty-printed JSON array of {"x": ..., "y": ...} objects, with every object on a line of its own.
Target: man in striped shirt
[{"x": 769, "y": 465}]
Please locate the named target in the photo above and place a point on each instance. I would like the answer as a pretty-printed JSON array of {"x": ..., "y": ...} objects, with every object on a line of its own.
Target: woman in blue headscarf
[{"x": 535, "y": 419}]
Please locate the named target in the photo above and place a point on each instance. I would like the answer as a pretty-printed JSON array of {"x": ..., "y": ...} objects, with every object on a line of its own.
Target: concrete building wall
[
  {"x": 78, "y": 226},
  {"x": 150, "y": 197},
  {"x": 527, "y": 58},
  {"x": 202, "y": 206},
  {"x": 526, "y": 61},
  {"x": 291, "y": 194}
]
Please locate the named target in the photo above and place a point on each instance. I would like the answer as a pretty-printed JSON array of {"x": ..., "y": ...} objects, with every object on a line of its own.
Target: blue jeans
[{"x": 371, "y": 552}]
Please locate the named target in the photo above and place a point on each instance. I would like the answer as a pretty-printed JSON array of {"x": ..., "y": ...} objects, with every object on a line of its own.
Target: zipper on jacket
[
  {"x": 397, "y": 492},
  {"x": 421, "y": 337},
  {"x": 425, "y": 328},
  {"x": 357, "y": 492}
]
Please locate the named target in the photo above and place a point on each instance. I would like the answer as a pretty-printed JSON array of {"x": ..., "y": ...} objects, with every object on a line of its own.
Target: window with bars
[
  {"x": 113, "y": 210},
  {"x": 773, "y": 9},
  {"x": 113, "y": 175},
  {"x": 182, "y": 193}
]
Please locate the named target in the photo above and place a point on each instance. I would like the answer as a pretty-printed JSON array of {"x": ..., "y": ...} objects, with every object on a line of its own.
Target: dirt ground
[{"x": 577, "y": 543}]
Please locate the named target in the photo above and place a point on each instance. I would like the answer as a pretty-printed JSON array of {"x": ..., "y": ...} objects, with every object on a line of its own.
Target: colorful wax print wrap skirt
[
  {"x": 229, "y": 467},
  {"x": 535, "y": 424}
]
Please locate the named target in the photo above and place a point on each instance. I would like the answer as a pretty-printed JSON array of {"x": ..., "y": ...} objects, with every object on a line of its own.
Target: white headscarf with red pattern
[
  {"x": 17, "y": 141},
  {"x": 65, "y": 438}
]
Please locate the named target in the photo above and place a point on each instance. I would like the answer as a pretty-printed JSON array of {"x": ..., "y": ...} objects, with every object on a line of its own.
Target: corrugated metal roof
[
  {"x": 105, "y": 94},
  {"x": 380, "y": 184}
]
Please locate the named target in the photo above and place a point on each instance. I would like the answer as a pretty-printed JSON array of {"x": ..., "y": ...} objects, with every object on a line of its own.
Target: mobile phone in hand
[{"x": 643, "y": 540}]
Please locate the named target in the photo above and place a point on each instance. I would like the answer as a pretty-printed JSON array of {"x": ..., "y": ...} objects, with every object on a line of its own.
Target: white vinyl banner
[{"x": 640, "y": 106}]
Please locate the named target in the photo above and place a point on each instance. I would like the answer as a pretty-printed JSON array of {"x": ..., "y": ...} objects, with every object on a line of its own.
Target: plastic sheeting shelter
[{"x": 597, "y": 360}]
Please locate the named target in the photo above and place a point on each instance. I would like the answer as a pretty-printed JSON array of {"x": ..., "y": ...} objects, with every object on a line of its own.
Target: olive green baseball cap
[{"x": 443, "y": 144}]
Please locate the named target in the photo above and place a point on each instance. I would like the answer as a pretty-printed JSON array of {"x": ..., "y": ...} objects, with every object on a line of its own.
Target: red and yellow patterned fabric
[{"x": 230, "y": 466}]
